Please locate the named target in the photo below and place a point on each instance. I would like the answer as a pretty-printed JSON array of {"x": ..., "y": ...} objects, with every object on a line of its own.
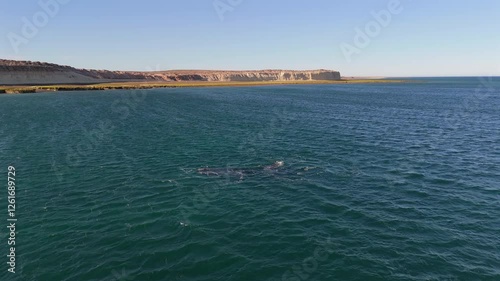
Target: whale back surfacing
[{"x": 239, "y": 172}]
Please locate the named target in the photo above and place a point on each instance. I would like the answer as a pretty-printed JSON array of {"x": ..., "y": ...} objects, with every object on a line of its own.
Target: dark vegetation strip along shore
[{"x": 152, "y": 85}]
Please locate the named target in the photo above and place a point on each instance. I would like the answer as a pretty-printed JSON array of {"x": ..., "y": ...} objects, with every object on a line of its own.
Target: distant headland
[{"x": 28, "y": 76}]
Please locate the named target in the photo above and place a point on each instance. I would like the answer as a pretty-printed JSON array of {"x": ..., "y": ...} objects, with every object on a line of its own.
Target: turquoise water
[{"x": 381, "y": 182}]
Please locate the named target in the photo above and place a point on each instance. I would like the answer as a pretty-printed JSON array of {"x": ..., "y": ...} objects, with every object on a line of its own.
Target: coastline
[{"x": 22, "y": 89}]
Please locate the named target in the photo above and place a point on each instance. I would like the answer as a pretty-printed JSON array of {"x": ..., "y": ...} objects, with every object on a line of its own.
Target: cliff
[{"x": 38, "y": 73}]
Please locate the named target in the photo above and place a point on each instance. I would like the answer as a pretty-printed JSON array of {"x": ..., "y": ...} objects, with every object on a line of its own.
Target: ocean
[{"x": 380, "y": 182}]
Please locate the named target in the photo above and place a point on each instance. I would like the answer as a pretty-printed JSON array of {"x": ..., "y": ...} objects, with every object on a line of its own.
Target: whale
[{"x": 240, "y": 172}]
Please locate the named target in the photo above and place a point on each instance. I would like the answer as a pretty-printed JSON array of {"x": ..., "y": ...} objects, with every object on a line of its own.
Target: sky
[{"x": 358, "y": 38}]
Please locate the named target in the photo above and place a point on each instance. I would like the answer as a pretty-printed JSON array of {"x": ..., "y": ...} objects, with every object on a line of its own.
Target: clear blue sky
[{"x": 427, "y": 38}]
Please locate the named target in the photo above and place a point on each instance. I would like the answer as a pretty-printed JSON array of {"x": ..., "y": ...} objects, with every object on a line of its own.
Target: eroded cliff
[{"x": 28, "y": 73}]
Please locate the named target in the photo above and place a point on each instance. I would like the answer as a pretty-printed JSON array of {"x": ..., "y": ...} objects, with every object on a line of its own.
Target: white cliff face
[
  {"x": 248, "y": 76},
  {"x": 23, "y": 72},
  {"x": 273, "y": 75}
]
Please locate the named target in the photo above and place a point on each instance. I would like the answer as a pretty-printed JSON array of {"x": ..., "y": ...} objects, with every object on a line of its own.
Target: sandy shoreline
[{"x": 152, "y": 85}]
